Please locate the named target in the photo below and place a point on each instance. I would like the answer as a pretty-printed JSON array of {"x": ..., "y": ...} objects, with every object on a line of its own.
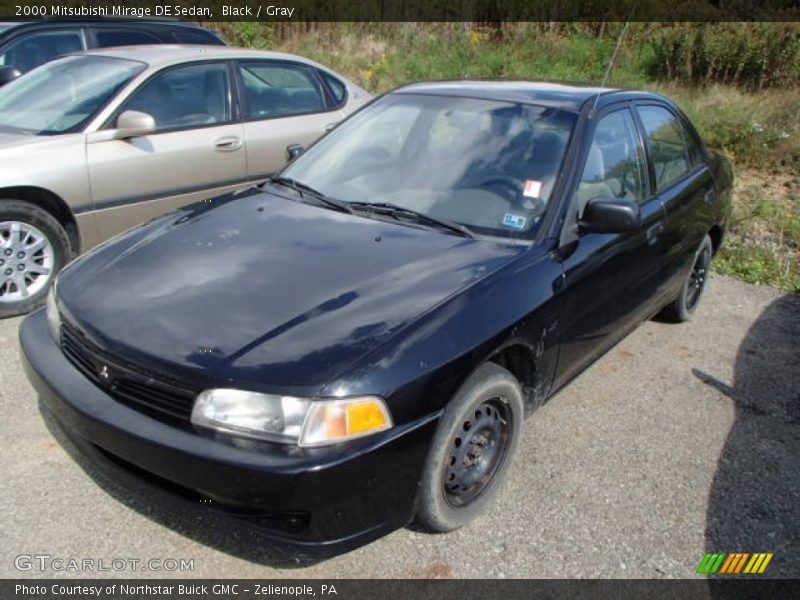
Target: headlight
[
  {"x": 300, "y": 421},
  {"x": 51, "y": 311}
]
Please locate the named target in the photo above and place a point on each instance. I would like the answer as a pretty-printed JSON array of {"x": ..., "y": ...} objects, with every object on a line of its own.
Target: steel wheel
[
  {"x": 691, "y": 291},
  {"x": 697, "y": 278},
  {"x": 26, "y": 261},
  {"x": 475, "y": 442},
  {"x": 476, "y": 452}
]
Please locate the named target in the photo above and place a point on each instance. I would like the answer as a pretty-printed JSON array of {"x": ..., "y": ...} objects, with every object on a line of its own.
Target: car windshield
[
  {"x": 62, "y": 95},
  {"x": 484, "y": 164}
]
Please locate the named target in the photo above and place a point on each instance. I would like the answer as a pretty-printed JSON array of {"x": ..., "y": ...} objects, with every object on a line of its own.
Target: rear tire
[
  {"x": 475, "y": 443},
  {"x": 33, "y": 249},
  {"x": 683, "y": 307}
]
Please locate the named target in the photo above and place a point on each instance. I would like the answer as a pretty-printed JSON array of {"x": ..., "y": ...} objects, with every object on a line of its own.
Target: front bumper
[{"x": 333, "y": 498}]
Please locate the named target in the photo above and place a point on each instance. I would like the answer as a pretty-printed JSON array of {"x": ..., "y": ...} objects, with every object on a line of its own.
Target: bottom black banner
[{"x": 383, "y": 589}]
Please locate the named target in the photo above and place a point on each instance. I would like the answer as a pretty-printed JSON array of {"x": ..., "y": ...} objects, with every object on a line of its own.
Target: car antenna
[{"x": 613, "y": 57}]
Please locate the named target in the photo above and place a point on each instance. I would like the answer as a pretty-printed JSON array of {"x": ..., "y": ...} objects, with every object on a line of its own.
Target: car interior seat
[
  {"x": 268, "y": 101},
  {"x": 305, "y": 100},
  {"x": 537, "y": 157},
  {"x": 593, "y": 182}
]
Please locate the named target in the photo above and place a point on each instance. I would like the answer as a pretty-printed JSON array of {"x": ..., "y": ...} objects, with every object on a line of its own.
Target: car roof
[
  {"x": 167, "y": 54},
  {"x": 563, "y": 95}
]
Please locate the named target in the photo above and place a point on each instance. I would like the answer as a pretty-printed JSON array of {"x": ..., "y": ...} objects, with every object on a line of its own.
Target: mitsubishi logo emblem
[{"x": 104, "y": 372}]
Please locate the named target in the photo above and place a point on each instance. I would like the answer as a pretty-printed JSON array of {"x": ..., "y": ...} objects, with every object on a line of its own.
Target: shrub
[{"x": 749, "y": 55}]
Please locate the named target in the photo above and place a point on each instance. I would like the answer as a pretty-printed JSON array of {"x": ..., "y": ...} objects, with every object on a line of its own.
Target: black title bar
[
  {"x": 409, "y": 10},
  {"x": 353, "y": 589}
]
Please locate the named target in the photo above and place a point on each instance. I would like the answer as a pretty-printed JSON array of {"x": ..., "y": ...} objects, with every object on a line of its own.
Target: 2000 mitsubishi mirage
[{"x": 354, "y": 344}]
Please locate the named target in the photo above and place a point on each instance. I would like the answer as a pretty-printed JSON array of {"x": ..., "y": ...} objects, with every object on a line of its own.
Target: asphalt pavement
[{"x": 682, "y": 440}]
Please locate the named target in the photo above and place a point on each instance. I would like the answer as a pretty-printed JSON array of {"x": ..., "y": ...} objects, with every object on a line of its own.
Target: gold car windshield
[{"x": 61, "y": 96}]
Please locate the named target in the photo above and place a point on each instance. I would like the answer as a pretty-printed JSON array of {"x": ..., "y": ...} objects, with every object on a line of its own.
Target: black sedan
[{"x": 354, "y": 344}]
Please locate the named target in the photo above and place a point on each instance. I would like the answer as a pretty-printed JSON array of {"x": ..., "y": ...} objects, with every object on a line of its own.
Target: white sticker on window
[{"x": 533, "y": 188}]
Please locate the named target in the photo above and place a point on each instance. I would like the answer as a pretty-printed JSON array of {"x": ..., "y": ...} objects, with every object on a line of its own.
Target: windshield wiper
[
  {"x": 396, "y": 211},
  {"x": 302, "y": 189}
]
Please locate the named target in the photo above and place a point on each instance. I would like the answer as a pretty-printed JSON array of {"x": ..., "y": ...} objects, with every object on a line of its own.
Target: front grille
[{"x": 161, "y": 397}]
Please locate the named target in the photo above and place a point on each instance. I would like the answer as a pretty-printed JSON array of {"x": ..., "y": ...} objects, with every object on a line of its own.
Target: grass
[
  {"x": 763, "y": 244},
  {"x": 758, "y": 130}
]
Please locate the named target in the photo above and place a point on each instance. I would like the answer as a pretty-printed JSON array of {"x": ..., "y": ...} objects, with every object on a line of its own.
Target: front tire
[
  {"x": 475, "y": 443},
  {"x": 683, "y": 307},
  {"x": 33, "y": 248}
]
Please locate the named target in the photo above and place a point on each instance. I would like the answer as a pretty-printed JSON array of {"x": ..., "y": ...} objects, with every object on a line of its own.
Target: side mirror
[
  {"x": 8, "y": 74},
  {"x": 293, "y": 151},
  {"x": 132, "y": 123},
  {"x": 610, "y": 215}
]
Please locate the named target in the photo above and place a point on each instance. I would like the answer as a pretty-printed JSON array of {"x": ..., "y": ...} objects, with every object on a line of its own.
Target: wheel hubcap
[
  {"x": 697, "y": 279},
  {"x": 27, "y": 261},
  {"x": 476, "y": 452}
]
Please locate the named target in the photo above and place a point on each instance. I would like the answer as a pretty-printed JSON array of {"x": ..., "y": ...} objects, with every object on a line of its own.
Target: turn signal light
[{"x": 332, "y": 421}]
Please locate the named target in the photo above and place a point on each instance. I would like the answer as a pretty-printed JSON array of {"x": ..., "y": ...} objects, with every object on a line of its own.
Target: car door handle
[
  {"x": 331, "y": 126},
  {"x": 654, "y": 232},
  {"x": 228, "y": 143}
]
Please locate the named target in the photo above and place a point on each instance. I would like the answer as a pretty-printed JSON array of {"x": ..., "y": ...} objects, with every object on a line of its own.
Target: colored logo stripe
[
  {"x": 758, "y": 563},
  {"x": 734, "y": 563},
  {"x": 711, "y": 563}
]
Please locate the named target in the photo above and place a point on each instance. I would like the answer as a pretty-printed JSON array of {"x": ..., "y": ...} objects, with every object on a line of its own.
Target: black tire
[
  {"x": 683, "y": 307},
  {"x": 30, "y": 214},
  {"x": 496, "y": 392}
]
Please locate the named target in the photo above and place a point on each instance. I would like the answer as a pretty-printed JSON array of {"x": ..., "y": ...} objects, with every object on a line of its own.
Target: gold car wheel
[{"x": 26, "y": 261}]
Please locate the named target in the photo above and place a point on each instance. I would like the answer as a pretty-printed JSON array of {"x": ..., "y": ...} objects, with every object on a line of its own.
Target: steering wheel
[
  {"x": 511, "y": 185},
  {"x": 515, "y": 187}
]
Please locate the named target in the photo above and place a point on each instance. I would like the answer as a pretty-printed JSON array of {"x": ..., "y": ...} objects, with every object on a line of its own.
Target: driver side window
[
  {"x": 615, "y": 166},
  {"x": 192, "y": 96}
]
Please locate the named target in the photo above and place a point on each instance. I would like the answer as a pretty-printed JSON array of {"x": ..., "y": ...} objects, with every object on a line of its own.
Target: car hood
[
  {"x": 265, "y": 291},
  {"x": 21, "y": 155},
  {"x": 16, "y": 140}
]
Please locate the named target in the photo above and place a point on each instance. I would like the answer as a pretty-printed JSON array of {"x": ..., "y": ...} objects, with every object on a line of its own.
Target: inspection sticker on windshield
[
  {"x": 514, "y": 221},
  {"x": 533, "y": 188}
]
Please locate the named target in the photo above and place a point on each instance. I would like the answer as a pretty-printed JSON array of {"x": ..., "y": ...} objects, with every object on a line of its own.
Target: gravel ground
[{"x": 683, "y": 439}]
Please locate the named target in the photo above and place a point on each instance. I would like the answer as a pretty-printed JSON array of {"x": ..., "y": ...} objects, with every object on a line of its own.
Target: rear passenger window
[
  {"x": 107, "y": 38},
  {"x": 192, "y": 96},
  {"x": 665, "y": 140},
  {"x": 338, "y": 88},
  {"x": 615, "y": 166},
  {"x": 280, "y": 90}
]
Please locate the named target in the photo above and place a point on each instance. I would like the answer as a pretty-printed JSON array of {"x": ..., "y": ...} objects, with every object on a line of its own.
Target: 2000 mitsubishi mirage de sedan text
[
  {"x": 355, "y": 343},
  {"x": 94, "y": 143}
]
